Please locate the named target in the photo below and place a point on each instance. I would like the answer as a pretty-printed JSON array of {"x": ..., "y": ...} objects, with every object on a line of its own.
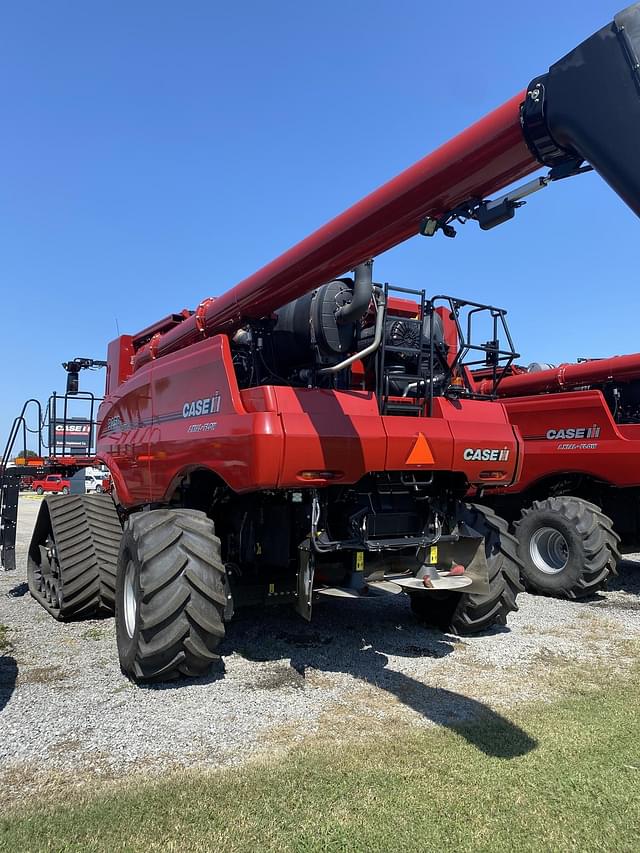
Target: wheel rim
[
  {"x": 549, "y": 550},
  {"x": 130, "y": 600}
]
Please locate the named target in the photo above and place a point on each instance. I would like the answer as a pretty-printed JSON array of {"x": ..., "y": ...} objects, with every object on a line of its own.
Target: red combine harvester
[
  {"x": 309, "y": 433},
  {"x": 578, "y": 495}
]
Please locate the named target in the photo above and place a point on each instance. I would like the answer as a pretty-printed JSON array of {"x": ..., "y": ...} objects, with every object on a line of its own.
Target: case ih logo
[
  {"x": 72, "y": 429},
  {"x": 70, "y": 437},
  {"x": 485, "y": 454},
  {"x": 204, "y": 406},
  {"x": 573, "y": 432}
]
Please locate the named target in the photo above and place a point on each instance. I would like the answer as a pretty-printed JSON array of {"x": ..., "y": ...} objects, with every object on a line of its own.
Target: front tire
[
  {"x": 171, "y": 593},
  {"x": 567, "y": 546},
  {"x": 466, "y": 613}
]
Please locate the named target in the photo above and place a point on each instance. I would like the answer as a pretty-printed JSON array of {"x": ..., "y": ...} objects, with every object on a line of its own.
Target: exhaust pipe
[{"x": 362, "y": 292}]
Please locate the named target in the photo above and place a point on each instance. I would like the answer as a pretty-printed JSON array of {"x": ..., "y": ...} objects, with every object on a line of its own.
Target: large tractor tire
[
  {"x": 567, "y": 546},
  {"x": 465, "y": 613},
  {"x": 171, "y": 592},
  {"x": 72, "y": 555}
]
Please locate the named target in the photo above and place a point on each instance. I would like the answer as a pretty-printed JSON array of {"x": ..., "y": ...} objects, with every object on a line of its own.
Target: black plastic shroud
[{"x": 587, "y": 107}]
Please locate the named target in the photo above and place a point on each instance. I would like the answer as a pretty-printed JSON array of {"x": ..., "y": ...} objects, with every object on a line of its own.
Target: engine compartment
[{"x": 352, "y": 333}]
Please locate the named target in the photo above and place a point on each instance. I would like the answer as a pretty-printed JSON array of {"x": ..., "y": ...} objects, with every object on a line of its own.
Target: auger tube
[
  {"x": 587, "y": 107},
  {"x": 619, "y": 368}
]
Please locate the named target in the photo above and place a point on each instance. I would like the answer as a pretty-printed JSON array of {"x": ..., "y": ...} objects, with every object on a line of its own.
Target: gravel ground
[{"x": 67, "y": 713}]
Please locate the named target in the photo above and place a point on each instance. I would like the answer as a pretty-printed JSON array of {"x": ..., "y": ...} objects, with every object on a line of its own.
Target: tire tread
[
  {"x": 182, "y": 595},
  {"x": 600, "y": 542}
]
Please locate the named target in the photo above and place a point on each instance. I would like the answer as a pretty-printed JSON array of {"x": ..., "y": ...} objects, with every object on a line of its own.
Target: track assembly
[{"x": 73, "y": 554}]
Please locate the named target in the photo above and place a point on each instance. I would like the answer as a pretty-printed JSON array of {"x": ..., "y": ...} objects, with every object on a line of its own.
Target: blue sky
[{"x": 154, "y": 153}]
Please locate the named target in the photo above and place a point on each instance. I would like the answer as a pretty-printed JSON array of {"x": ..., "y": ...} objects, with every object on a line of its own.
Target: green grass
[
  {"x": 558, "y": 777},
  {"x": 5, "y": 645},
  {"x": 93, "y": 634}
]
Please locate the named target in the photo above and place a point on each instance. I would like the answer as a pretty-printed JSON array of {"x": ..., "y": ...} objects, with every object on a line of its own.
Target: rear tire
[
  {"x": 465, "y": 613},
  {"x": 171, "y": 592},
  {"x": 567, "y": 546},
  {"x": 40, "y": 490}
]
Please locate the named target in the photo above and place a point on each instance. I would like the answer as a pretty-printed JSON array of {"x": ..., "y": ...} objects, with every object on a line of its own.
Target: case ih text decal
[
  {"x": 191, "y": 409},
  {"x": 485, "y": 454},
  {"x": 573, "y": 432},
  {"x": 204, "y": 406},
  {"x": 578, "y": 434}
]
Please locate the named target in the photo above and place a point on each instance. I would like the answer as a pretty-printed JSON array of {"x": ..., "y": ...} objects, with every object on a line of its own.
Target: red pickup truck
[{"x": 51, "y": 483}]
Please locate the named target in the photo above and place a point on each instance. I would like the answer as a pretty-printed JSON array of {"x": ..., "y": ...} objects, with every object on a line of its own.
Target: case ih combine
[
  {"x": 311, "y": 433},
  {"x": 580, "y": 480}
]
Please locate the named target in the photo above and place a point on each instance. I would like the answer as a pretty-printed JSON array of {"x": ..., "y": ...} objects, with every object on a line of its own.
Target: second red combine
[{"x": 577, "y": 501}]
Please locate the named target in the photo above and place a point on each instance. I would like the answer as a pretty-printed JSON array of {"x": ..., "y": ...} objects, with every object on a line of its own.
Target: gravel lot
[{"x": 67, "y": 714}]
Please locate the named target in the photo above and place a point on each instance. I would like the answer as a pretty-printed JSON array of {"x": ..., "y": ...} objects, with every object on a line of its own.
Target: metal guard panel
[{"x": 342, "y": 433}]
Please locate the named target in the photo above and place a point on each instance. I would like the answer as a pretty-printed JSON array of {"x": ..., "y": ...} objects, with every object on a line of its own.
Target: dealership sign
[{"x": 70, "y": 437}]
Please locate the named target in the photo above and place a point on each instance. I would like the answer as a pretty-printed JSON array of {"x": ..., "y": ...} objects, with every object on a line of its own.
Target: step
[{"x": 455, "y": 582}]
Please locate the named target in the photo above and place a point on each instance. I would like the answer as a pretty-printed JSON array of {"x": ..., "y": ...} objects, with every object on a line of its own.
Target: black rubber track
[
  {"x": 463, "y": 613},
  {"x": 180, "y": 591},
  {"x": 61, "y": 567},
  {"x": 85, "y": 533},
  {"x": 106, "y": 532},
  {"x": 593, "y": 546}
]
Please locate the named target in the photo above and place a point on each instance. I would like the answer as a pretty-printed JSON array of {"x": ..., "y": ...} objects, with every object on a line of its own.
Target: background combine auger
[{"x": 310, "y": 433}]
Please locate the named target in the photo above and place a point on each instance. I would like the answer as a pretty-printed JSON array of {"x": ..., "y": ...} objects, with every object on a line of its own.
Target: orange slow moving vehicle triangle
[{"x": 421, "y": 453}]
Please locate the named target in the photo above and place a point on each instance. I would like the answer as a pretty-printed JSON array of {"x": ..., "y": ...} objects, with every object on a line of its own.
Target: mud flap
[{"x": 306, "y": 568}]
